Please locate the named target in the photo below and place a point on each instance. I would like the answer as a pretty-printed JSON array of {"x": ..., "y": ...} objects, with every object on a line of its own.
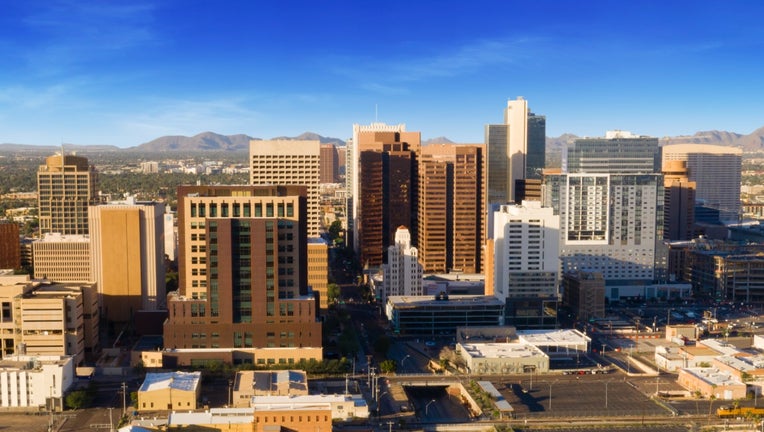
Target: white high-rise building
[
  {"x": 716, "y": 171},
  {"x": 287, "y": 163},
  {"x": 352, "y": 161},
  {"x": 403, "y": 273},
  {"x": 526, "y": 261}
]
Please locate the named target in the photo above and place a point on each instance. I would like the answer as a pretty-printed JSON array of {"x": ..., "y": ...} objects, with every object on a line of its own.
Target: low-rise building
[
  {"x": 712, "y": 382},
  {"x": 503, "y": 358},
  {"x": 35, "y": 382},
  {"x": 268, "y": 383},
  {"x": 198, "y": 357},
  {"x": 214, "y": 419},
  {"x": 442, "y": 314},
  {"x": 297, "y": 417},
  {"x": 341, "y": 407},
  {"x": 169, "y": 390}
]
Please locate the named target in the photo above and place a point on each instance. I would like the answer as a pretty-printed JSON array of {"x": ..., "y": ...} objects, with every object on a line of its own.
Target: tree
[
  {"x": 77, "y": 399},
  {"x": 388, "y": 366},
  {"x": 332, "y": 293},
  {"x": 335, "y": 229}
]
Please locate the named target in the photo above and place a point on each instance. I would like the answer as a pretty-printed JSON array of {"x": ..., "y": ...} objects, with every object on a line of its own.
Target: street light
[
  {"x": 404, "y": 359},
  {"x": 606, "y": 383},
  {"x": 550, "y": 394},
  {"x": 427, "y": 407}
]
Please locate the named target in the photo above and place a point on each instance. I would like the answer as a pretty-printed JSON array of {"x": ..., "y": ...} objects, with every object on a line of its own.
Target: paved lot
[
  {"x": 574, "y": 395},
  {"x": 23, "y": 422}
]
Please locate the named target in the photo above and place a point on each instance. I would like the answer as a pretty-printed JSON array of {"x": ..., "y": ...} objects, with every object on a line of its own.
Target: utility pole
[{"x": 124, "y": 398}]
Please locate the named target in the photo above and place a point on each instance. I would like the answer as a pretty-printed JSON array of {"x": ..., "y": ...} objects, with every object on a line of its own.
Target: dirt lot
[{"x": 23, "y": 422}]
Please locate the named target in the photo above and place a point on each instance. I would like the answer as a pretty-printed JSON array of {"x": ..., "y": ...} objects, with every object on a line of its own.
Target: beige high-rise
[
  {"x": 127, "y": 257},
  {"x": 66, "y": 186},
  {"x": 290, "y": 163}
]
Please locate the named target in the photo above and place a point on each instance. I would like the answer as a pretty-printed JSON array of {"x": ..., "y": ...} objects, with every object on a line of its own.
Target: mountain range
[{"x": 210, "y": 141}]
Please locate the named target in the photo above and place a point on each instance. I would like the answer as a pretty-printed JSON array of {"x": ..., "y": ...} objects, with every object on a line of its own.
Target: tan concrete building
[
  {"x": 127, "y": 257},
  {"x": 287, "y": 163},
  {"x": 170, "y": 391},
  {"x": 318, "y": 269},
  {"x": 247, "y": 384},
  {"x": 712, "y": 382},
  {"x": 66, "y": 186},
  {"x": 48, "y": 319},
  {"x": 62, "y": 258},
  {"x": 214, "y": 419},
  {"x": 195, "y": 357},
  {"x": 329, "y": 163}
]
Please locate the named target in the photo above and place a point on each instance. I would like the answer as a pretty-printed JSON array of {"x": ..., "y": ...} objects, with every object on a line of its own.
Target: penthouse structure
[
  {"x": 66, "y": 186},
  {"x": 242, "y": 269},
  {"x": 127, "y": 257}
]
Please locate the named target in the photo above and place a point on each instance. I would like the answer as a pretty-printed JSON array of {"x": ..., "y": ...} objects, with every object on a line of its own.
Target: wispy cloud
[
  {"x": 188, "y": 116},
  {"x": 69, "y": 32},
  {"x": 390, "y": 75}
]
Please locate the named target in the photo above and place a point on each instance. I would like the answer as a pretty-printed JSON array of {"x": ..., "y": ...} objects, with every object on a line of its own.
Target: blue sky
[{"x": 126, "y": 72}]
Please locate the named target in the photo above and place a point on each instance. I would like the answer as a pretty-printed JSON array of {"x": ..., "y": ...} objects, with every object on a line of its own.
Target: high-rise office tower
[
  {"x": 450, "y": 207},
  {"x": 384, "y": 182},
  {"x": 611, "y": 209},
  {"x": 127, "y": 257},
  {"x": 403, "y": 272},
  {"x": 10, "y": 246},
  {"x": 363, "y": 136},
  {"x": 66, "y": 186},
  {"x": 679, "y": 201},
  {"x": 290, "y": 162},
  {"x": 523, "y": 268},
  {"x": 242, "y": 269},
  {"x": 515, "y": 151},
  {"x": 329, "y": 163},
  {"x": 716, "y": 172}
]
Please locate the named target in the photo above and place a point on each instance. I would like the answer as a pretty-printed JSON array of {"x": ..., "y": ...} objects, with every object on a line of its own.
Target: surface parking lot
[{"x": 578, "y": 396}]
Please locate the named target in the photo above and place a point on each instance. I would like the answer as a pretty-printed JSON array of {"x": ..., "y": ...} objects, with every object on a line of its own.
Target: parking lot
[{"x": 579, "y": 396}]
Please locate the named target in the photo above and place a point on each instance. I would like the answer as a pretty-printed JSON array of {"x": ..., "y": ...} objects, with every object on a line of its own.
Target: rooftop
[
  {"x": 184, "y": 381},
  {"x": 501, "y": 350}
]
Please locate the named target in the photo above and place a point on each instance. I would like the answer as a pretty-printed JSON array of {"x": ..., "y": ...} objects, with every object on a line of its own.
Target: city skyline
[{"x": 124, "y": 74}]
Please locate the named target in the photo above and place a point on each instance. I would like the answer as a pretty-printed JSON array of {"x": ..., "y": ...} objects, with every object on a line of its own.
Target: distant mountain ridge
[{"x": 210, "y": 141}]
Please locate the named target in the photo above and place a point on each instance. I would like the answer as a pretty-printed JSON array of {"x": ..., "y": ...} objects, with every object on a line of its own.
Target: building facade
[
  {"x": 329, "y": 164},
  {"x": 679, "y": 201},
  {"x": 48, "y": 319},
  {"x": 62, "y": 258},
  {"x": 403, "y": 272},
  {"x": 66, "y": 186},
  {"x": 35, "y": 382},
  {"x": 127, "y": 257},
  {"x": 716, "y": 171},
  {"x": 451, "y": 207},
  {"x": 287, "y": 163},
  {"x": 10, "y": 246},
  {"x": 515, "y": 151},
  {"x": 584, "y": 294},
  {"x": 242, "y": 270}
]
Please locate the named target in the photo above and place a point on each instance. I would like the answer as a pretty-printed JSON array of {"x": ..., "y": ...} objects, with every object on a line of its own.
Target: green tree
[
  {"x": 77, "y": 399},
  {"x": 388, "y": 366},
  {"x": 332, "y": 293}
]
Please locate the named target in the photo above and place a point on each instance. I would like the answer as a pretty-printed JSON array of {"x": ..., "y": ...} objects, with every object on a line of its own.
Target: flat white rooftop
[{"x": 502, "y": 350}]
